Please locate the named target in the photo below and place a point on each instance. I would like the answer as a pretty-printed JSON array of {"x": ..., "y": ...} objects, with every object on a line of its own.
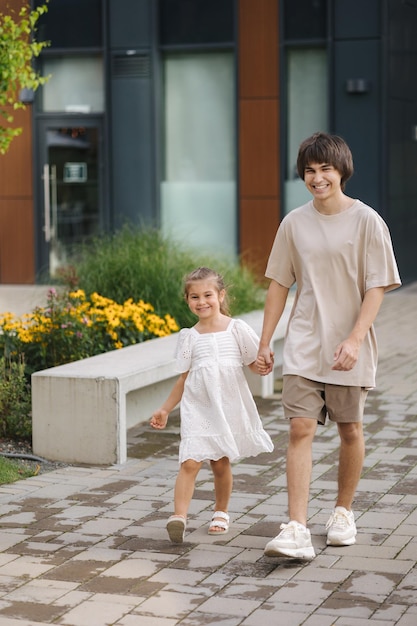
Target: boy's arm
[
  {"x": 347, "y": 353},
  {"x": 276, "y": 298},
  {"x": 160, "y": 418}
]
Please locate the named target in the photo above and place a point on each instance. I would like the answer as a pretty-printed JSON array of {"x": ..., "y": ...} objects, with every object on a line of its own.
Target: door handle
[
  {"x": 54, "y": 204},
  {"x": 50, "y": 200},
  {"x": 46, "y": 203}
]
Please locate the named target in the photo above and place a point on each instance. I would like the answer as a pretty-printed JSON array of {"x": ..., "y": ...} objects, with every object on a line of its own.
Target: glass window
[
  {"x": 72, "y": 23},
  {"x": 198, "y": 194},
  {"x": 76, "y": 84},
  {"x": 196, "y": 21},
  {"x": 307, "y": 112}
]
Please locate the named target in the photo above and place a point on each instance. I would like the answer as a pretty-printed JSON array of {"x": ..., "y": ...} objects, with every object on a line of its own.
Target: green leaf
[{"x": 18, "y": 49}]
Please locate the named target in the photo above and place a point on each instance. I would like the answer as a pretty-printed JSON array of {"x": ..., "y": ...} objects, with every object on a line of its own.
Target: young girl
[{"x": 219, "y": 419}]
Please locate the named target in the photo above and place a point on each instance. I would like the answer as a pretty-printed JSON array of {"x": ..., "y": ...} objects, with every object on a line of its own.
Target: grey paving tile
[
  {"x": 350, "y": 609},
  {"x": 146, "y": 620},
  {"x": 362, "y": 549},
  {"x": 97, "y": 612},
  {"x": 351, "y": 621},
  {"x": 261, "y": 617},
  {"x": 237, "y": 607},
  {"x": 170, "y": 604},
  {"x": 386, "y": 521},
  {"x": 322, "y": 575},
  {"x": 389, "y": 612},
  {"x": 197, "y": 618},
  {"x": 320, "y": 620},
  {"x": 407, "y": 619},
  {"x": 301, "y": 592},
  {"x": 375, "y": 565}
]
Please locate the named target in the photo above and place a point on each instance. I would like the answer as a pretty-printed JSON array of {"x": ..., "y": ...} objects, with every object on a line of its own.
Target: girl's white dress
[{"x": 219, "y": 416}]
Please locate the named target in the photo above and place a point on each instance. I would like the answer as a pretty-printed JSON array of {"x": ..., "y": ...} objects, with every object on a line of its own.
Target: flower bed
[
  {"x": 69, "y": 328},
  {"x": 72, "y": 327}
]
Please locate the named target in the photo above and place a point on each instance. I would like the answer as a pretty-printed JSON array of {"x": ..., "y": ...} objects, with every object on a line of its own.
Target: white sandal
[
  {"x": 219, "y": 523},
  {"x": 176, "y": 526}
]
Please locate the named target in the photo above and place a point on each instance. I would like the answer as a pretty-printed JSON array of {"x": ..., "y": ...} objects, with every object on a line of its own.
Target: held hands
[
  {"x": 346, "y": 355},
  {"x": 159, "y": 419},
  {"x": 265, "y": 361}
]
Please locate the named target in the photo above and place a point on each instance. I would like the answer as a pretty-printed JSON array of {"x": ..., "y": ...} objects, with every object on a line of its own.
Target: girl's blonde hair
[{"x": 205, "y": 273}]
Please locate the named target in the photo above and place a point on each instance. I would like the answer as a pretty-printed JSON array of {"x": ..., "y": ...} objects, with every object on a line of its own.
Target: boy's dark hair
[{"x": 325, "y": 148}]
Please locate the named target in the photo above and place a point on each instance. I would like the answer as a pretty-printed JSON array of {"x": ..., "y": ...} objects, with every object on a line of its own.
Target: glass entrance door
[{"x": 70, "y": 187}]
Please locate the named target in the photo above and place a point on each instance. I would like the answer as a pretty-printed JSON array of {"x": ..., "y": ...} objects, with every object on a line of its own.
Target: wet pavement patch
[
  {"x": 260, "y": 569},
  {"x": 112, "y": 487},
  {"x": 77, "y": 571},
  {"x": 138, "y": 544},
  {"x": 33, "y": 612},
  {"x": 121, "y": 586}
]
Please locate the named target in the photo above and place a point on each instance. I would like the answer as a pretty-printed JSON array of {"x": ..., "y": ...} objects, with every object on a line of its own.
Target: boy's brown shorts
[{"x": 302, "y": 397}]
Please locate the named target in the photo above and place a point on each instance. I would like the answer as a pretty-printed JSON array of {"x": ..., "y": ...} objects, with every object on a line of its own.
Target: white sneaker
[
  {"x": 341, "y": 528},
  {"x": 294, "y": 540}
]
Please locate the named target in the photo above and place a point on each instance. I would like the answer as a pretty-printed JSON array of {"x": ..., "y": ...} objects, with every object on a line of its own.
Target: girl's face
[{"x": 204, "y": 299}]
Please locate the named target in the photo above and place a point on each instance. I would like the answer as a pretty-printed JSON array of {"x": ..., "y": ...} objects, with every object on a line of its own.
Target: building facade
[{"x": 187, "y": 115}]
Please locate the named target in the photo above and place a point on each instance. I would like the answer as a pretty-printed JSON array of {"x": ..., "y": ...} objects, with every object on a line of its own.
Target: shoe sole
[
  {"x": 176, "y": 530},
  {"x": 306, "y": 554},
  {"x": 341, "y": 542}
]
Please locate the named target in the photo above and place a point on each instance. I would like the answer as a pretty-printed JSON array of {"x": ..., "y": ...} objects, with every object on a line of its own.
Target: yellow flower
[{"x": 77, "y": 295}]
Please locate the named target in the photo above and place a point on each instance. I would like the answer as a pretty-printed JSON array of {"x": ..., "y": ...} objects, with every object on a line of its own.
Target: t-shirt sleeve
[
  {"x": 247, "y": 340},
  {"x": 183, "y": 350},
  {"x": 280, "y": 266},
  {"x": 381, "y": 266}
]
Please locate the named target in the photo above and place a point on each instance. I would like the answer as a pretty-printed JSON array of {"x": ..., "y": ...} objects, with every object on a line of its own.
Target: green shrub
[
  {"x": 143, "y": 264},
  {"x": 15, "y": 400}
]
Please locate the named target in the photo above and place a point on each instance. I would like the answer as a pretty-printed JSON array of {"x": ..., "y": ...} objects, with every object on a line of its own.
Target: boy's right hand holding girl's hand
[
  {"x": 159, "y": 419},
  {"x": 265, "y": 361}
]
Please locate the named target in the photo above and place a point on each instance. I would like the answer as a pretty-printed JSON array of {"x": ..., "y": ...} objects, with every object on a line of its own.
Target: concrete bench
[{"x": 81, "y": 411}]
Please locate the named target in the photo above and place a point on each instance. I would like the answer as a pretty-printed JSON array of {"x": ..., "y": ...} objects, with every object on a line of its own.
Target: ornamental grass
[{"x": 143, "y": 263}]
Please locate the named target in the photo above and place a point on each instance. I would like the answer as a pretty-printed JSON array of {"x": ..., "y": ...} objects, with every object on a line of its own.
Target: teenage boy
[{"x": 338, "y": 252}]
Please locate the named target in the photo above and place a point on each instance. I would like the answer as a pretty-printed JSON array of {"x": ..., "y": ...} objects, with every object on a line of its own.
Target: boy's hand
[
  {"x": 346, "y": 355},
  {"x": 265, "y": 361},
  {"x": 159, "y": 419}
]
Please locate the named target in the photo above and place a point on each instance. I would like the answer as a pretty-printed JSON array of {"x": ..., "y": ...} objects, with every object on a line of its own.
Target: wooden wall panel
[
  {"x": 258, "y": 148},
  {"x": 259, "y": 181},
  {"x": 256, "y": 239},
  {"x": 17, "y": 259},
  {"x": 16, "y": 164},
  {"x": 258, "y": 48},
  {"x": 14, "y": 5},
  {"x": 16, "y": 241}
]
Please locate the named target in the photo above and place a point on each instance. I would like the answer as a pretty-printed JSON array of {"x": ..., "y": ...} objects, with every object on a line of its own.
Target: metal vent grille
[{"x": 135, "y": 66}]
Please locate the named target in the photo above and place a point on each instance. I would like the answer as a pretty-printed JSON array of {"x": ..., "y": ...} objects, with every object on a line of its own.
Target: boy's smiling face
[{"x": 323, "y": 181}]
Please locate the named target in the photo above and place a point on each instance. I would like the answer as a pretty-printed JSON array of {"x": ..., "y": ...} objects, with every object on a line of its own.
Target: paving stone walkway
[{"x": 87, "y": 546}]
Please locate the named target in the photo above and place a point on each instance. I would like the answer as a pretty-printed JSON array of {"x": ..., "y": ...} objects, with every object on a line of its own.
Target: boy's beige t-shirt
[{"x": 334, "y": 260}]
